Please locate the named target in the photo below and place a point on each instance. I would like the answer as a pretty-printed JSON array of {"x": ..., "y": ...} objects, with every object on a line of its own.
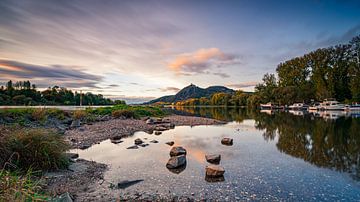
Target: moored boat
[
  {"x": 331, "y": 104},
  {"x": 298, "y": 106}
]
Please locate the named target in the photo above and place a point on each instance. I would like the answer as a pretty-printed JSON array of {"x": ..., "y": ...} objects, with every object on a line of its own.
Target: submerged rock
[
  {"x": 176, "y": 162},
  {"x": 138, "y": 141},
  {"x": 143, "y": 145},
  {"x": 133, "y": 147},
  {"x": 154, "y": 141},
  {"x": 160, "y": 128},
  {"x": 214, "y": 171},
  {"x": 84, "y": 146},
  {"x": 213, "y": 158},
  {"x": 157, "y": 132},
  {"x": 116, "y": 141},
  {"x": 214, "y": 179},
  {"x": 171, "y": 143},
  {"x": 227, "y": 141},
  {"x": 176, "y": 151}
]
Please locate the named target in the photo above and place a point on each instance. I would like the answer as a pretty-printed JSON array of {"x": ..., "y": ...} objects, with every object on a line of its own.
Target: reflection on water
[
  {"x": 275, "y": 156},
  {"x": 324, "y": 138}
]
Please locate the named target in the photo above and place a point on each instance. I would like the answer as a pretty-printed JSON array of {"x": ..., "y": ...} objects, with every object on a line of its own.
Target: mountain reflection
[{"x": 322, "y": 142}]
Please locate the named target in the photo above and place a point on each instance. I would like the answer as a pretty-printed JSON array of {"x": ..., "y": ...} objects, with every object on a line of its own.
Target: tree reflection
[{"x": 324, "y": 143}]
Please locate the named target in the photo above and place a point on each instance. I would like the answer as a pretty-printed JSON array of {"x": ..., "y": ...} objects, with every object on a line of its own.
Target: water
[{"x": 275, "y": 156}]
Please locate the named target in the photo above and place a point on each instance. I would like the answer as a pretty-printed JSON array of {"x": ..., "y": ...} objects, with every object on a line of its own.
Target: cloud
[
  {"x": 201, "y": 60},
  {"x": 67, "y": 76},
  {"x": 166, "y": 89},
  {"x": 243, "y": 84},
  {"x": 114, "y": 85},
  {"x": 223, "y": 75},
  {"x": 344, "y": 38}
]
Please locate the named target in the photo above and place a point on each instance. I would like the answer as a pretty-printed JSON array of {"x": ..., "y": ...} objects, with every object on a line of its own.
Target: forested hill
[
  {"x": 25, "y": 93},
  {"x": 192, "y": 91}
]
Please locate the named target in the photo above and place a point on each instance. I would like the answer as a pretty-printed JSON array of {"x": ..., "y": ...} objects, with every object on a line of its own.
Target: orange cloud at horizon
[{"x": 199, "y": 57}]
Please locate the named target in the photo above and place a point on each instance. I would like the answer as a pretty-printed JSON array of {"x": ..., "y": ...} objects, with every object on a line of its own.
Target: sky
[{"x": 143, "y": 49}]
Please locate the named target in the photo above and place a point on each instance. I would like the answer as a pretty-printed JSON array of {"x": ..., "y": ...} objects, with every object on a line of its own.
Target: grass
[
  {"x": 40, "y": 149},
  {"x": 23, "y": 115},
  {"x": 15, "y": 186}
]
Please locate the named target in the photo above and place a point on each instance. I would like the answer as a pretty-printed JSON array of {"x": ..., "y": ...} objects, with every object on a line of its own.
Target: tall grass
[{"x": 40, "y": 149}]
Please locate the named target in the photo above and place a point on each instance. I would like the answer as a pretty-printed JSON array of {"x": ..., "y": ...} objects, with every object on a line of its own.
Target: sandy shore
[{"x": 87, "y": 135}]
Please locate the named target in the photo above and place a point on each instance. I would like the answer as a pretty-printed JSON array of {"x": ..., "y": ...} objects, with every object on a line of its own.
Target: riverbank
[{"x": 89, "y": 134}]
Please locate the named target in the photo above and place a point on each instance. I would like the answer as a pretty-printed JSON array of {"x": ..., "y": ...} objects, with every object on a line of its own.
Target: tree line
[
  {"x": 332, "y": 72},
  {"x": 25, "y": 93}
]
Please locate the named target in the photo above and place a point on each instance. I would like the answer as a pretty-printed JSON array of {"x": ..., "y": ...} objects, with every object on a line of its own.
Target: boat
[
  {"x": 314, "y": 107},
  {"x": 353, "y": 107},
  {"x": 331, "y": 104},
  {"x": 298, "y": 106},
  {"x": 268, "y": 105}
]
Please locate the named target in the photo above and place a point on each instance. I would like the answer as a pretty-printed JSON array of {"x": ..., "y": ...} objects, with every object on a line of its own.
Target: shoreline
[{"x": 89, "y": 134}]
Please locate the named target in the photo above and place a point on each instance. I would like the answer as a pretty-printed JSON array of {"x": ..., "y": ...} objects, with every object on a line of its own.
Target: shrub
[
  {"x": 38, "y": 114},
  {"x": 79, "y": 114},
  {"x": 37, "y": 148},
  {"x": 123, "y": 113},
  {"x": 15, "y": 187}
]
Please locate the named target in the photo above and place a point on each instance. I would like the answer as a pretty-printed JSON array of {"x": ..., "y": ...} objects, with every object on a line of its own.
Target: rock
[
  {"x": 176, "y": 162},
  {"x": 138, "y": 141},
  {"x": 133, "y": 147},
  {"x": 214, "y": 179},
  {"x": 150, "y": 121},
  {"x": 158, "y": 132},
  {"x": 214, "y": 171},
  {"x": 213, "y": 158},
  {"x": 72, "y": 155},
  {"x": 171, "y": 143},
  {"x": 227, "y": 141},
  {"x": 172, "y": 125},
  {"x": 65, "y": 197},
  {"x": 116, "y": 141},
  {"x": 118, "y": 137},
  {"x": 75, "y": 123},
  {"x": 177, "y": 151},
  {"x": 143, "y": 145},
  {"x": 154, "y": 141},
  {"x": 84, "y": 146},
  {"x": 159, "y": 120},
  {"x": 160, "y": 128},
  {"x": 125, "y": 184},
  {"x": 81, "y": 129}
]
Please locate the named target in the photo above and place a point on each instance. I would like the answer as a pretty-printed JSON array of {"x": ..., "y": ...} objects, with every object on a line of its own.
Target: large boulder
[
  {"x": 138, "y": 141},
  {"x": 160, "y": 128},
  {"x": 227, "y": 141},
  {"x": 157, "y": 132},
  {"x": 177, "y": 151},
  {"x": 176, "y": 162},
  {"x": 150, "y": 121},
  {"x": 213, "y": 158},
  {"x": 214, "y": 171}
]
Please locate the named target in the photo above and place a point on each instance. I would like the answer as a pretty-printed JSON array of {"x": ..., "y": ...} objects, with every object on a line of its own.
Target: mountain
[{"x": 192, "y": 91}]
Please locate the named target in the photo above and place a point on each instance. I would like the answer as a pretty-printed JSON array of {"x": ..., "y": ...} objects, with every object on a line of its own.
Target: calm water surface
[{"x": 275, "y": 156}]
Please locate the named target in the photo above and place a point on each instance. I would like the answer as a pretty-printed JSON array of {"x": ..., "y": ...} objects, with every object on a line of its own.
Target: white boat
[
  {"x": 331, "y": 105},
  {"x": 353, "y": 107},
  {"x": 268, "y": 105},
  {"x": 298, "y": 106}
]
